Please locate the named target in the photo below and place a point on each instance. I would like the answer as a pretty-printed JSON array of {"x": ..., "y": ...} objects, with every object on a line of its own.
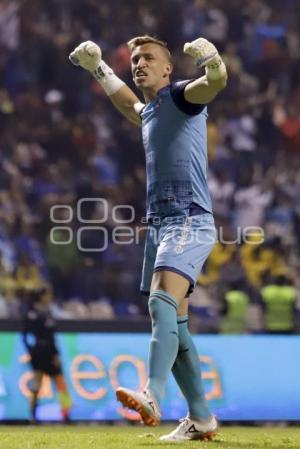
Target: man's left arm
[{"x": 204, "y": 89}]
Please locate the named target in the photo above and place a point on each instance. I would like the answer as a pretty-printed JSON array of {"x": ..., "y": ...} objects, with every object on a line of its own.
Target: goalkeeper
[{"x": 181, "y": 230}]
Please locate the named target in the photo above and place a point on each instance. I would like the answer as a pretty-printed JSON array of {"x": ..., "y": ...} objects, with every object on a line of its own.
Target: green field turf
[{"x": 133, "y": 437}]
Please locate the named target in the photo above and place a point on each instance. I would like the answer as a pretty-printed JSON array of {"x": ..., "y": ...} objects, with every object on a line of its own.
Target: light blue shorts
[{"x": 180, "y": 244}]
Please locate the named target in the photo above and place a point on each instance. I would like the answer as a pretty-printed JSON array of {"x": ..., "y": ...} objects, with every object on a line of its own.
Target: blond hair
[{"x": 141, "y": 40}]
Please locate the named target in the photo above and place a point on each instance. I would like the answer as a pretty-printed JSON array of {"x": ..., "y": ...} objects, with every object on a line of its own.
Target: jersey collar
[{"x": 163, "y": 89}]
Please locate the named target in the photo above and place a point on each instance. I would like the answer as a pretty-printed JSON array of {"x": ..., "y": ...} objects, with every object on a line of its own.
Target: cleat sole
[
  {"x": 206, "y": 437},
  {"x": 131, "y": 403},
  {"x": 209, "y": 436}
]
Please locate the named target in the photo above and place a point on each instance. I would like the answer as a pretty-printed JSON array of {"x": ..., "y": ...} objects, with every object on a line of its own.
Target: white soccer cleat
[
  {"x": 189, "y": 429},
  {"x": 141, "y": 402}
]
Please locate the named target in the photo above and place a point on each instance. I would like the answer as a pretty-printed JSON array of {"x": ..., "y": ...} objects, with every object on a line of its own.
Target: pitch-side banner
[{"x": 245, "y": 377}]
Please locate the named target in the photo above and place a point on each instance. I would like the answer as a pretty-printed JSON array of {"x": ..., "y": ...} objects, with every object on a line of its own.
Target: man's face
[{"x": 150, "y": 66}]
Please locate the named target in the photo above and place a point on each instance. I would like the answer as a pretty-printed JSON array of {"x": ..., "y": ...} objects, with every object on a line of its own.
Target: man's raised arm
[
  {"x": 88, "y": 55},
  {"x": 204, "y": 89}
]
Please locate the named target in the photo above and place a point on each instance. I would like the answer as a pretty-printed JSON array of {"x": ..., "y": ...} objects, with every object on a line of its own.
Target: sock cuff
[
  {"x": 164, "y": 296},
  {"x": 182, "y": 319}
]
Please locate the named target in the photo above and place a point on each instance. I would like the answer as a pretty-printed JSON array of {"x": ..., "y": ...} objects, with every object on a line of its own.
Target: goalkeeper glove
[
  {"x": 88, "y": 56},
  {"x": 206, "y": 54}
]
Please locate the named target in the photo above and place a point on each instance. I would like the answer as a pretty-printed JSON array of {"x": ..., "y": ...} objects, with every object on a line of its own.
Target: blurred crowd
[{"x": 68, "y": 158}]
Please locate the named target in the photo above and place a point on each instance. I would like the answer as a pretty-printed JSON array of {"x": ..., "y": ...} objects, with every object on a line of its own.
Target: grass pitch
[{"x": 133, "y": 437}]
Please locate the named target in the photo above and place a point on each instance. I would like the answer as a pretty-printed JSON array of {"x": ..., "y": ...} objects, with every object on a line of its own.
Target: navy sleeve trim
[{"x": 177, "y": 93}]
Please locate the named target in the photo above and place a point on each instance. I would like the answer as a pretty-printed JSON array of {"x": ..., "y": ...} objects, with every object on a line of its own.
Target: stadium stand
[{"x": 62, "y": 141}]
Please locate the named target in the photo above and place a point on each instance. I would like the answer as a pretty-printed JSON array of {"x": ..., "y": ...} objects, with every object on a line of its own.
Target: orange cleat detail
[{"x": 127, "y": 399}]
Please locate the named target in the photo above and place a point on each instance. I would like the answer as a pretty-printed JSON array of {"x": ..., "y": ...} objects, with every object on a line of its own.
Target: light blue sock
[
  {"x": 164, "y": 341},
  {"x": 187, "y": 372}
]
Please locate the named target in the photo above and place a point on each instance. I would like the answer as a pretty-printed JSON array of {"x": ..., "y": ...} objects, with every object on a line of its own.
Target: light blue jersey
[
  {"x": 174, "y": 134},
  {"x": 175, "y": 141}
]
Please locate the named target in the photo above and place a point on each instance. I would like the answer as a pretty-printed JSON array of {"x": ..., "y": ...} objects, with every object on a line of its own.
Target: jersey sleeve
[{"x": 177, "y": 94}]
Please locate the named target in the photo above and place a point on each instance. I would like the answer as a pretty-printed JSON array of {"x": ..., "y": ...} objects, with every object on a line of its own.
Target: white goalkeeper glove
[
  {"x": 88, "y": 56},
  {"x": 206, "y": 54}
]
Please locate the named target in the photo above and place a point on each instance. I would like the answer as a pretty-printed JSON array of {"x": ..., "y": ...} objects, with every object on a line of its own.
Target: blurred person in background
[
  {"x": 279, "y": 305},
  {"x": 39, "y": 339},
  {"x": 235, "y": 309}
]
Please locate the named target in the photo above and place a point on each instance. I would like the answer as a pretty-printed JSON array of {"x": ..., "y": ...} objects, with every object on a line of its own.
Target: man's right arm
[{"x": 88, "y": 55}]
